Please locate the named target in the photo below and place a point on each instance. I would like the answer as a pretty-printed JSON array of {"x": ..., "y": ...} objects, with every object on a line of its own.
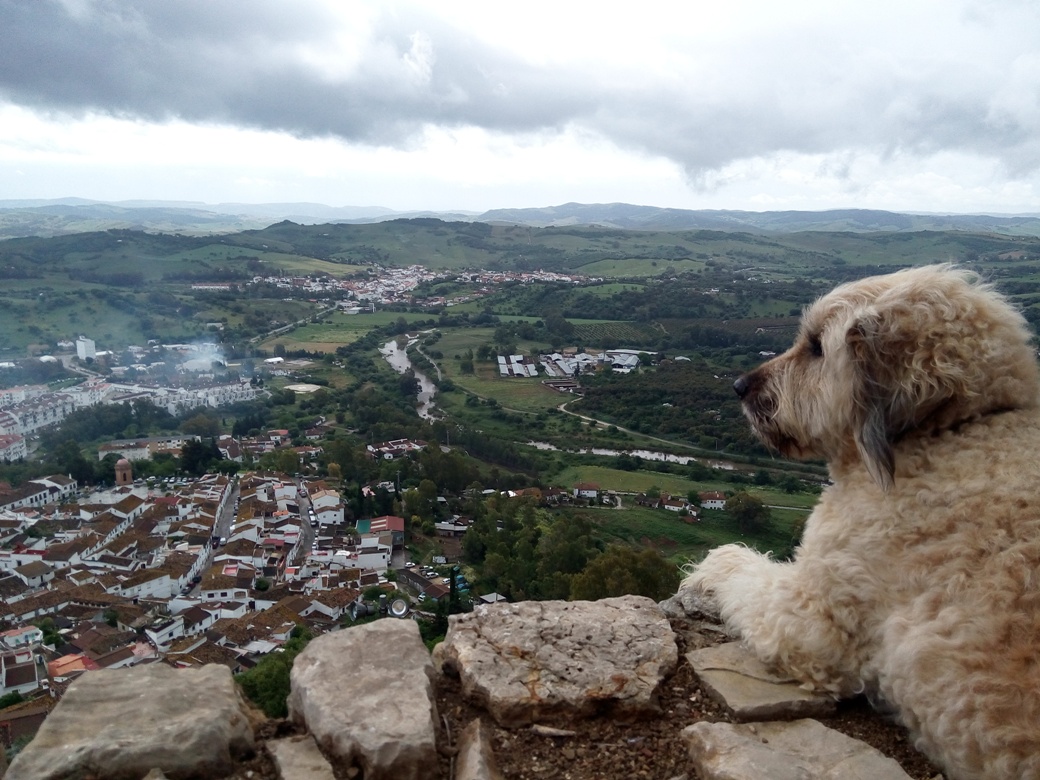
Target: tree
[
  {"x": 202, "y": 425},
  {"x": 50, "y": 631},
  {"x": 197, "y": 456},
  {"x": 751, "y": 514},
  {"x": 558, "y": 326},
  {"x": 564, "y": 550},
  {"x": 284, "y": 460},
  {"x": 623, "y": 570},
  {"x": 11, "y": 698},
  {"x": 69, "y": 459},
  {"x": 105, "y": 470},
  {"x": 267, "y": 684}
]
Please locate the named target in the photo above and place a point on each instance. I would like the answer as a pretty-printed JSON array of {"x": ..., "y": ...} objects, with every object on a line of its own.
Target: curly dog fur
[{"x": 917, "y": 580}]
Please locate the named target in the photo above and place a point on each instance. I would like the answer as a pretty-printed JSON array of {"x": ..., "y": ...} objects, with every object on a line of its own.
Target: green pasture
[
  {"x": 455, "y": 341},
  {"x": 682, "y": 542},
  {"x": 64, "y": 311},
  {"x": 638, "y": 266},
  {"x": 302, "y": 265},
  {"x": 626, "y": 481},
  {"x": 643, "y": 480},
  {"x": 524, "y": 395},
  {"x": 337, "y": 378},
  {"x": 612, "y": 288},
  {"x": 335, "y": 330}
]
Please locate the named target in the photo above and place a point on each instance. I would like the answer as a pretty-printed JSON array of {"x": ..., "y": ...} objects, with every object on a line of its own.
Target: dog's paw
[{"x": 719, "y": 566}]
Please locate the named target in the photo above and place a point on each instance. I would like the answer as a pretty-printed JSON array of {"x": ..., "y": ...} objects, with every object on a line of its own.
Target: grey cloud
[
  {"x": 241, "y": 64},
  {"x": 234, "y": 63}
]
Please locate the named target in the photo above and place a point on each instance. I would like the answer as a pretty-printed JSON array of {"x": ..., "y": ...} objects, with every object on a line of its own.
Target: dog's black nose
[{"x": 741, "y": 386}]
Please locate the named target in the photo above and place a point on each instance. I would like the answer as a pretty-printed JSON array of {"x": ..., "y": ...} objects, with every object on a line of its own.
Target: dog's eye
[{"x": 815, "y": 346}]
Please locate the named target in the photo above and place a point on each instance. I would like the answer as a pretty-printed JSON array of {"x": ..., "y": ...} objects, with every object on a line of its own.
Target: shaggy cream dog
[{"x": 918, "y": 577}]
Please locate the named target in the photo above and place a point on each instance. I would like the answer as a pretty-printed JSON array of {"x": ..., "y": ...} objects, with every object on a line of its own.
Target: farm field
[
  {"x": 455, "y": 341},
  {"x": 613, "y": 334},
  {"x": 524, "y": 395},
  {"x": 682, "y": 542},
  {"x": 641, "y": 481},
  {"x": 627, "y": 481},
  {"x": 334, "y": 330},
  {"x": 612, "y": 288},
  {"x": 614, "y": 268}
]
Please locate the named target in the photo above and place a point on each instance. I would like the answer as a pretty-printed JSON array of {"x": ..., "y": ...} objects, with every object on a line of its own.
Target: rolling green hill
[{"x": 138, "y": 283}]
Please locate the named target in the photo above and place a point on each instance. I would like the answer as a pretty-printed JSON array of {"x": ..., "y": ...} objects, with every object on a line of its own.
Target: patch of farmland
[
  {"x": 616, "y": 334},
  {"x": 787, "y": 326}
]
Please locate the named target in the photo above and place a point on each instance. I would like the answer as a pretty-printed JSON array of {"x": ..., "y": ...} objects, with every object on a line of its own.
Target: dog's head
[{"x": 918, "y": 350}]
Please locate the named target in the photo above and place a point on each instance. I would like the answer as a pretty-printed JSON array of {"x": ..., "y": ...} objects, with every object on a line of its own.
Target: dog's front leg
[{"x": 787, "y": 620}]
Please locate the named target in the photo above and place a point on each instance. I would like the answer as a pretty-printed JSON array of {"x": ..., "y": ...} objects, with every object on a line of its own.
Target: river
[
  {"x": 666, "y": 457},
  {"x": 398, "y": 360}
]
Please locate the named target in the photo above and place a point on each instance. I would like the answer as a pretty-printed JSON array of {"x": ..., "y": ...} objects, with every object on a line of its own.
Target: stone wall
[{"x": 363, "y": 704}]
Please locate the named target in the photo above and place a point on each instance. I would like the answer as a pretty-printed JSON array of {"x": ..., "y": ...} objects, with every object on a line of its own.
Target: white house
[
  {"x": 713, "y": 499},
  {"x": 162, "y": 633},
  {"x": 19, "y": 672},
  {"x": 25, "y": 636},
  {"x": 586, "y": 490}
]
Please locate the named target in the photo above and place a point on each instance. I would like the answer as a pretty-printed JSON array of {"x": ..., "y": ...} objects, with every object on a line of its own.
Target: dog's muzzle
[{"x": 741, "y": 387}]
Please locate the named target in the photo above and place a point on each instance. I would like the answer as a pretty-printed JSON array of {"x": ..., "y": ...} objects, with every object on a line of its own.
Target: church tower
[{"x": 124, "y": 473}]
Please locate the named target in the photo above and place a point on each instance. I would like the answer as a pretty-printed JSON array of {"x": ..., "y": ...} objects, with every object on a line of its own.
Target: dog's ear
[{"x": 871, "y": 403}]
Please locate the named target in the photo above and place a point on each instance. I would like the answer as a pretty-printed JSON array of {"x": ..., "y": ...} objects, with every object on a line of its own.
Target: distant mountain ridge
[
  {"x": 63, "y": 216},
  {"x": 629, "y": 217}
]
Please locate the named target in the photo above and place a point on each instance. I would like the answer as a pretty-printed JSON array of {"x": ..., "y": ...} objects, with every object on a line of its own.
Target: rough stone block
[
  {"x": 366, "y": 696},
  {"x": 534, "y": 660},
  {"x": 120, "y": 724}
]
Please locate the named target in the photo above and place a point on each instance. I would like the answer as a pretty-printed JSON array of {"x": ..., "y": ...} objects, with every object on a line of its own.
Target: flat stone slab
[
  {"x": 785, "y": 750},
  {"x": 476, "y": 760},
  {"x": 750, "y": 689},
  {"x": 122, "y": 723},
  {"x": 366, "y": 696},
  {"x": 298, "y": 758},
  {"x": 535, "y": 660}
]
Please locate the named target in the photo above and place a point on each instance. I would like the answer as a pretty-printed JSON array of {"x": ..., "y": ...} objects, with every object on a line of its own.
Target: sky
[{"x": 468, "y": 105}]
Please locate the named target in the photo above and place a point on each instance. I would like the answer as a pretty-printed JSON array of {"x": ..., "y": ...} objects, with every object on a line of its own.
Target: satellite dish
[{"x": 399, "y": 608}]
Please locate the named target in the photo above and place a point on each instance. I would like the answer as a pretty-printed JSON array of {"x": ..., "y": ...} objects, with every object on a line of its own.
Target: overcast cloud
[{"x": 904, "y": 105}]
